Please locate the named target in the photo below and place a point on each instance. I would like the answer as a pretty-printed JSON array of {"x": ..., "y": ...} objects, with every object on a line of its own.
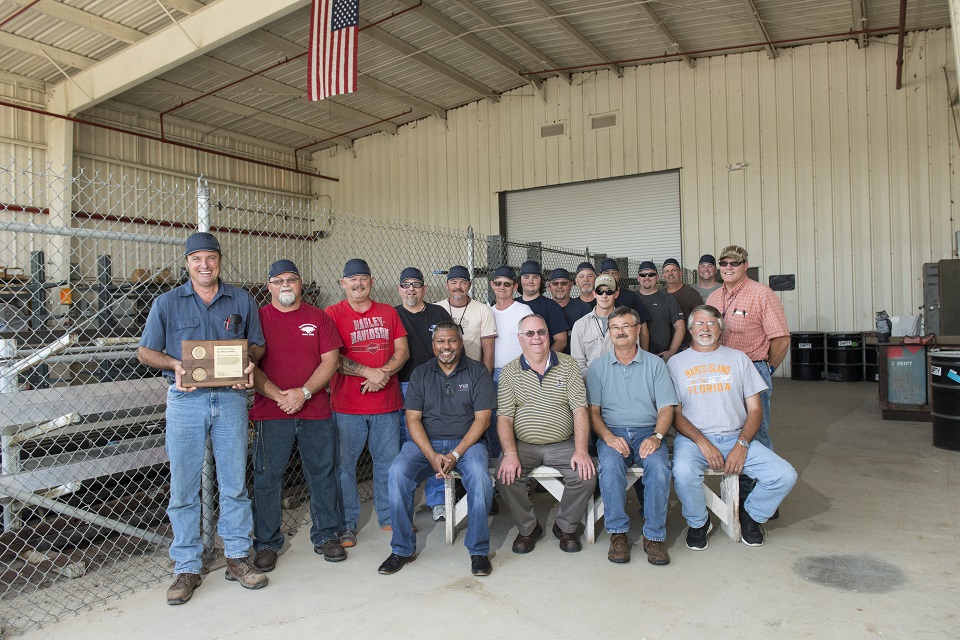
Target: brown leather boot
[
  {"x": 656, "y": 552},
  {"x": 240, "y": 570},
  {"x": 183, "y": 587},
  {"x": 619, "y": 548}
]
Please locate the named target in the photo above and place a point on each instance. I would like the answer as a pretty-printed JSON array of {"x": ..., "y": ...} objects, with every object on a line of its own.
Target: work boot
[
  {"x": 183, "y": 587},
  {"x": 265, "y": 560},
  {"x": 656, "y": 552},
  {"x": 331, "y": 550},
  {"x": 240, "y": 570},
  {"x": 619, "y": 548}
]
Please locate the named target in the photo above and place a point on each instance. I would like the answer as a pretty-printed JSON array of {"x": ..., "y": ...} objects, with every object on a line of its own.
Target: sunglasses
[
  {"x": 730, "y": 263},
  {"x": 652, "y": 274},
  {"x": 538, "y": 332},
  {"x": 415, "y": 285},
  {"x": 605, "y": 292},
  {"x": 502, "y": 283}
]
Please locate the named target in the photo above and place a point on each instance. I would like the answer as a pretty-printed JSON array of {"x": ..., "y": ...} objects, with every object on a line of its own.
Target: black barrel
[
  {"x": 844, "y": 357},
  {"x": 806, "y": 355},
  {"x": 871, "y": 370},
  {"x": 945, "y": 399}
]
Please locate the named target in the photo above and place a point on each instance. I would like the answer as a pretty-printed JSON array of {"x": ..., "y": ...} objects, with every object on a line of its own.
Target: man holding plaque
[
  {"x": 365, "y": 392},
  {"x": 206, "y": 309},
  {"x": 292, "y": 406}
]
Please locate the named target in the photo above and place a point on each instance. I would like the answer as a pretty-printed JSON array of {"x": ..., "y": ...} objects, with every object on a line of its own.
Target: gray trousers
[{"x": 576, "y": 491}]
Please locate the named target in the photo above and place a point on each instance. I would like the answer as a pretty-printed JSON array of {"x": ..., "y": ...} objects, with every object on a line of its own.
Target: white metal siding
[
  {"x": 849, "y": 183},
  {"x": 635, "y": 216}
]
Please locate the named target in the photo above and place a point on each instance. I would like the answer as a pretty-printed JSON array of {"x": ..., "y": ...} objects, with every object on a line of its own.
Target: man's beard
[{"x": 287, "y": 298}]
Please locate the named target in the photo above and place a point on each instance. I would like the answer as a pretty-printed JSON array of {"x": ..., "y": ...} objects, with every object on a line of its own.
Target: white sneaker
[{"x": 439, "y": 512}]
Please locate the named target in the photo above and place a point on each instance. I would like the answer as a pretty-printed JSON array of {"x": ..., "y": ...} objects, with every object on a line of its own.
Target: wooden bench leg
[
  {"x": 450, "y": 523},
  {"x": 595, "y": 510},
  {"x": 726, "y": 505}
]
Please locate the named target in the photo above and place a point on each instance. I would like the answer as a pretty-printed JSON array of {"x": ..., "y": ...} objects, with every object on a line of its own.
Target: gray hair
[
  {"x": 711, "y": 311},
  {"x": 526, "y": 317}
]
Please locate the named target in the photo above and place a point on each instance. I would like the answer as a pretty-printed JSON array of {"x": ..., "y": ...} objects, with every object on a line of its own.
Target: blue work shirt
[
  {"x": 631, "y": 395},
  {"x": 180, "y": 314}
]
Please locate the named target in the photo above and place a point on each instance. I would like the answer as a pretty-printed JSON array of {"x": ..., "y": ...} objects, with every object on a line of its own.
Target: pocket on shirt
[{"x": 185, "y": 324}]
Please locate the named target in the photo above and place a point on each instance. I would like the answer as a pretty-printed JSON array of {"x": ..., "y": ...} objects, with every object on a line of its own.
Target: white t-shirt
[
  {"x": 475, "y": 322},
  {"x": 508, "y": 327}
]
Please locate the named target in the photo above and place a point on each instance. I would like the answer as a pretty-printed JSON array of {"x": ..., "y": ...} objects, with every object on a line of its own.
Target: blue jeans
[
  {"x": 381, "y": 433},
  {"x": 775, "y": 478},
  {"x": 613, "y": 482},
  {"x": 411, "y": 468},
  {"x": 763, "y": 434},
  {"x": 317, "y": 443},
  {"x": 220, "y": 414}
]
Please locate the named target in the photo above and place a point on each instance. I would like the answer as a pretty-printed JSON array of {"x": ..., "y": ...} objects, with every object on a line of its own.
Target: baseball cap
[
  {"x": 201, "y": 241},
  {"x": 734, "y": 251},
  {"x": 559, "y": 274},
  {"x": 356, "y": 267},
  {"x": 530, "y": 267},
  {"x": 503, "y": 271},
  {"x": 646, "y": 264},
  {"x": 608, "y": 265},
  {"x": 709, "y": 259},
  {"x": 672, "y": 261},
  {"x": 411, "y": 273},
  {"x": 605, "y": 280},
  {"x": 585, "y": 265},
  {"x": 283, "y": 266},
  {"x": 458, "y": 271}
]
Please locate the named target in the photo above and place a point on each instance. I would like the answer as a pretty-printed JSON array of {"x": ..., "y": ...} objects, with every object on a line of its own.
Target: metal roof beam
[
  {"x": 490, "y": 21},
  {"x": 169, "y": 88},
  {"x": 760, "y": 28},
  {"x": 276, "y": 87},
  {"x": 859, "y": 10},
  {"x": 61, "y": 57},
  {"x": 576, "y": 35},
  {"x": 200, "y": 32},
  {"x": 86, "y": 20},
  {"x": 403, "y": 48},
  {"x": 292, "y": 49},
  {"x": 665, "y": 34},
  {"x": 437, "y": 19},
  {"x": 183, "y": 6}
]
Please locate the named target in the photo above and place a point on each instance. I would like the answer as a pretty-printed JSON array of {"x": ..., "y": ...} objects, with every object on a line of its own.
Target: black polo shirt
[{"x": 449, "y": 402}]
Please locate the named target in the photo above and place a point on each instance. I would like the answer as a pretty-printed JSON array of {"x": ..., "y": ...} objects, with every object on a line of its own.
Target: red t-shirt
[
  {"x": 295, "y": 342},
  {"x": 368, "y": 339}
]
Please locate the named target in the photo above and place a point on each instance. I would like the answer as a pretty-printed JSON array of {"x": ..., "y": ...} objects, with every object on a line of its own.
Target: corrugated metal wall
[{"x": 848, "y": 182}]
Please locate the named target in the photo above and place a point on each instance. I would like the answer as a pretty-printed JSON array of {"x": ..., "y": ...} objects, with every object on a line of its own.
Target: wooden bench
[{"x": 726, "y": 506}]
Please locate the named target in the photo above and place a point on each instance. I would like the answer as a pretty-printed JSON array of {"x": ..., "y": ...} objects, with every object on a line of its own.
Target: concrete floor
[{"x": 867, "y": 546}]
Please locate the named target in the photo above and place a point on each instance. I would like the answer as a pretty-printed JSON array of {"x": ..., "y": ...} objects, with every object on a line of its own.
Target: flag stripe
[{"x": 333, "y": 46}]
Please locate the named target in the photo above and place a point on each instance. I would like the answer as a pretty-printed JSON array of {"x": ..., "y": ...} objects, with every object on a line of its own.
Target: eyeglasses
[
  {"x": 621, "y": 327},
  {"x": 730, "y": 263},
  {"x": 701, "y": 323},
  {"x": 648, "y": 274},
  {"x": 605, "y": 292},
  {"x": 559, "y": 283},
  {"x": 538, "y": 332},
  {"x": 415, "y": 285},
  {"x": 502, "y": 283},
  {"x": 280, "y": 281}
]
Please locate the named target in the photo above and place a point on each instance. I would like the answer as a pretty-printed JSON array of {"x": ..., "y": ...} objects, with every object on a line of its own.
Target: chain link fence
[{"x": 84, "y": 482}]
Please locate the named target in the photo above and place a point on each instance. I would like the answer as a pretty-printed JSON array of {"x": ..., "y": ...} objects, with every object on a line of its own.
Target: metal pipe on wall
[{"x": 901, "y": 35}]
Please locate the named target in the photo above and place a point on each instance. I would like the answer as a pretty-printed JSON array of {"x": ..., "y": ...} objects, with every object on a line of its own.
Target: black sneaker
[
  {"x": 697, "y": 538},
  {"x": 480, "y": 565},
  {"x": 751, "y": 531}
]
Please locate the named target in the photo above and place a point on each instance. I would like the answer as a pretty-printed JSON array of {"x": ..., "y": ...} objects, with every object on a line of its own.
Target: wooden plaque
[{"x": 213, "y": 363}]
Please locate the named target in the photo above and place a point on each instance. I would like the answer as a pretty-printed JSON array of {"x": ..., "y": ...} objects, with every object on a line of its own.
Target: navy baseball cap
[
  {"x": 708, "y": 259},
  {"x": 585, "y": 265},
  {"x": 672, "y": 261},
  {"x": 411, "y": 273},
  {"x": 283, "y": 266},
  {"x": 458, "y": 271},
  {"x": 646, "y": 264},
  {"x": 201, "y": 241},
  {"x": 608, "y": 265},
  {"x": 503, "y": 271},
  {"x": 530, "y": 267},
  {"x": 559, "y": 274},
  {"x": 356, "y": 267}
]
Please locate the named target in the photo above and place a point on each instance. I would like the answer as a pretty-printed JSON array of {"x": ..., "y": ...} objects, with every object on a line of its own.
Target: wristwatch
[
  {"x": 744, "y": 444},
  {"x": 306, "y": 393},
  {"x": 658, "y": 436},
  {"x": 456, "y": 455}
]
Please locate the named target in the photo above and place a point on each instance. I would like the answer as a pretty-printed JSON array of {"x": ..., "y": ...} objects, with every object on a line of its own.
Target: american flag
[{"x": 332, "y": 69}]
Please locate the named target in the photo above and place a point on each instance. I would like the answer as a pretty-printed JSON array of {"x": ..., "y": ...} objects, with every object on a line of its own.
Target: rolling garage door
[{"x": 637, "y": 216}]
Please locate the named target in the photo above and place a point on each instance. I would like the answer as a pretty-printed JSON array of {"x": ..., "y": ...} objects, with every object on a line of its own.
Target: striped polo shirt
[{"x": 541, "y": 406}]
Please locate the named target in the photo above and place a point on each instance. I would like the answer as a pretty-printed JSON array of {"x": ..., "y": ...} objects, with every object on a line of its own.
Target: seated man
[
  {"x": 448, "y": 407},
  {"x": 631, "y": 408},
  {"x": 542, "y": 420},
  {"x": 719, "y": 415}
]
